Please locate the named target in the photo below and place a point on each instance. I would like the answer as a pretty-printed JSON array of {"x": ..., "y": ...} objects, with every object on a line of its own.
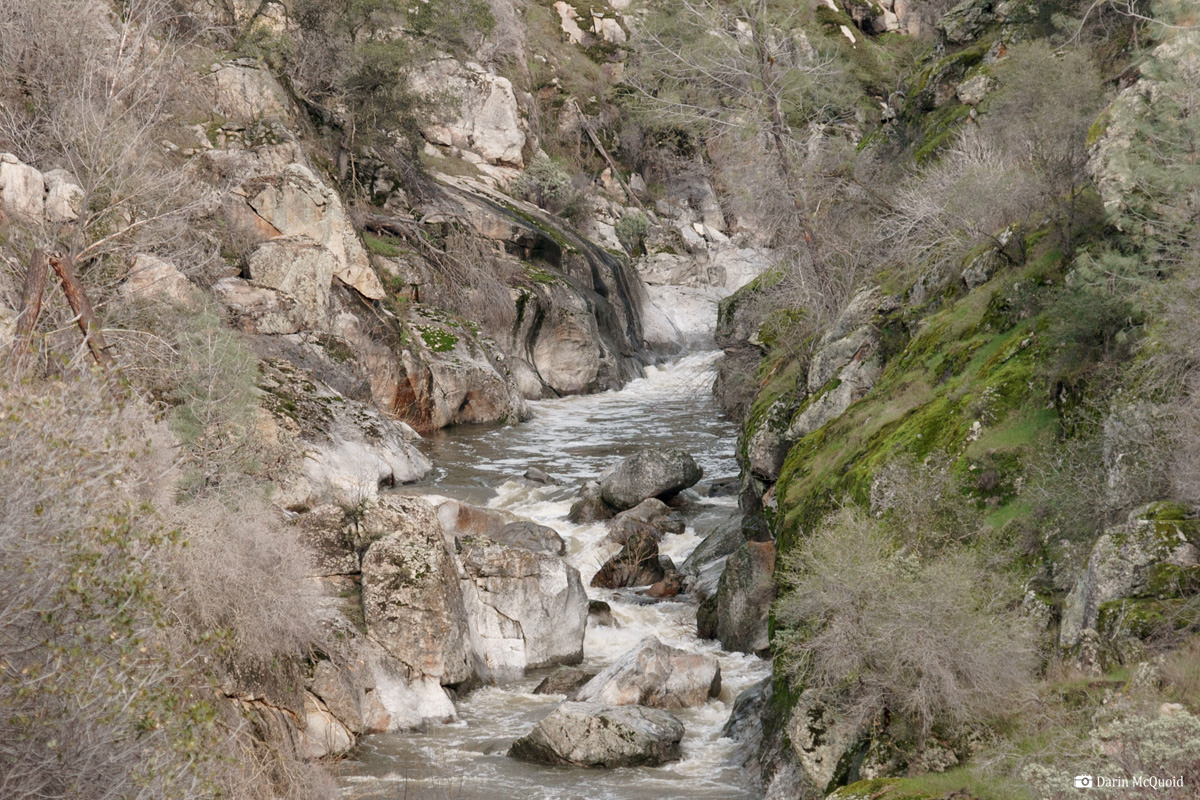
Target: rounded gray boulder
[
  {"x": 596, "y": 735},
  {"x": 652, "y": 472}
]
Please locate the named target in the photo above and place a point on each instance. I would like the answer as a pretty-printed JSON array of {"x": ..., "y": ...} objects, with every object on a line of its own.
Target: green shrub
[
  {"x": 547, "y": 184},
  {"x": 631, "y": 232}
]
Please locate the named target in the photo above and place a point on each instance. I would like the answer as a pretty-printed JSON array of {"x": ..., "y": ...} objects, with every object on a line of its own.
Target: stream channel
[{"x": 575, "y": 439}]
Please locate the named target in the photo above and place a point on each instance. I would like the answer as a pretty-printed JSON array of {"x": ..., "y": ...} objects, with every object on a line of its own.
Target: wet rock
[
  {"x": 744, "y": 596},
  {"x": 636, "y": 564},
  {"x": 654, "y": 674},
  {"x": 652, "y": 513},
  {"x": 590, "y": 507},
  {"x": 412, "y": 600},
  {"x": 525, "y": 609},
  {"x": 722, "y": 541},
  {"x": 725, "y": 487},
  {"x": 745, "y": 723},
  {"x": 540, "y": 476},
  {"x": 595, "y": 735},
  {"x": 652, "y": 472},
  {"x": 620, "y": 530},
  {"x": 706, "y": 618},
  {"x": 670, "y": 586},
  {"x": 564, "y": 681},
  {"x": 600, "y": 612}
]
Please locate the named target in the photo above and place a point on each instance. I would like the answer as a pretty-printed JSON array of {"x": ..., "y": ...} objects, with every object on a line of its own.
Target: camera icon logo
[{"x": 1084, "y": 782}]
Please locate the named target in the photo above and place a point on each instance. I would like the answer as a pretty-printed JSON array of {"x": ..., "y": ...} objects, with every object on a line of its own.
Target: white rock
[
  {"x": 246, "y": 93},
  {"x": 485, "y": 117},
  {"x": 569, "y": 20},
  {"x": 693, "y": 242},
  {"x": 525, "y": 609},
  {"x": 64, "y": 196},
  {"x": 653, "y": 674},
  {"x": 323, "y": 734},
  {"x": 300, "y": 204},
  {"x": 152, "y": 278},
  {"x": 690, "y": 312},
  {"x": 22, "y": 190},
  {"x": 739, "y": 265},
  {"x": 259, "y": 309},
  {"x": 609, "y": 30},
  {"x": 302, "y": 269}
]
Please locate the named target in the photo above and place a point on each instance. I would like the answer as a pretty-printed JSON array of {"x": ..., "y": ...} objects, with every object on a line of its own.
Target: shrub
[
  {"x": 875, "y": 628},
  {"x": 215, "y": 402},
  {"x": 547, "y": 184},
  {"x": 95, "y": 700},
  {"x": 631, "y": 232},
  {"x": 242, "y": 577}
]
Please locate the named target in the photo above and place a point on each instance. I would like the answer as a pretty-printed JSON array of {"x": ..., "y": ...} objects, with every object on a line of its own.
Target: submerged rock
[
  {"x": 564, "y": 681},
  {"x": 595, "y": 735},
  {"x": 601, "y": 612},
  {"x": 654, "y": 674},
  {"x": 653, "y": 472}
]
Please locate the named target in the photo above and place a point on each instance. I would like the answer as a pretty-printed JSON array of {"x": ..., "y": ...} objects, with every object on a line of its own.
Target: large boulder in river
[
  {"x": 525, "y": 609},
  {"x": 653, "y": 674},
  {"x": 636, "y": 564},
  {"x": 652, "y": 472},
  {"x": 595, "y": 735},
  {"x": 411, "y": 595},
  {"x": 744, "y": 596}
]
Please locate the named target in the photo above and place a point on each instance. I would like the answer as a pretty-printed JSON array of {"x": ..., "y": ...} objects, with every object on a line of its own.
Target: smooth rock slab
[{"x": 595, "y": 735}]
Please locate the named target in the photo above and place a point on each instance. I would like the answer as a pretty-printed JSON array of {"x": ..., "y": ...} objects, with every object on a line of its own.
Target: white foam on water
[{"x": 574, "y": 439}]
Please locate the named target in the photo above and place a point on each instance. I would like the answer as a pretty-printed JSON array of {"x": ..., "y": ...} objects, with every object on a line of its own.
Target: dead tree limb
[
  {"x": 92, "y": 335},
  {"x": 31, "y": 304},
  {"x": 587, "y": 127}
]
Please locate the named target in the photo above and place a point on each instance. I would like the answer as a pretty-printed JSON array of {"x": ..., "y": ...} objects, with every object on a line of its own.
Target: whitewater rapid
[{"x": 574, "y": 439}]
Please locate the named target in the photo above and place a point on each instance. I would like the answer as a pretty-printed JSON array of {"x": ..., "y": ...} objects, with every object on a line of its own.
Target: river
[{"x": 574, "y": 439}]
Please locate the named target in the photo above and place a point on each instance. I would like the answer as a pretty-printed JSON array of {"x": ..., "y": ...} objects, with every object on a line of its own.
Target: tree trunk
[
  {"x": 92, "y": 335},
  {"x": 31, "y": 304}
]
